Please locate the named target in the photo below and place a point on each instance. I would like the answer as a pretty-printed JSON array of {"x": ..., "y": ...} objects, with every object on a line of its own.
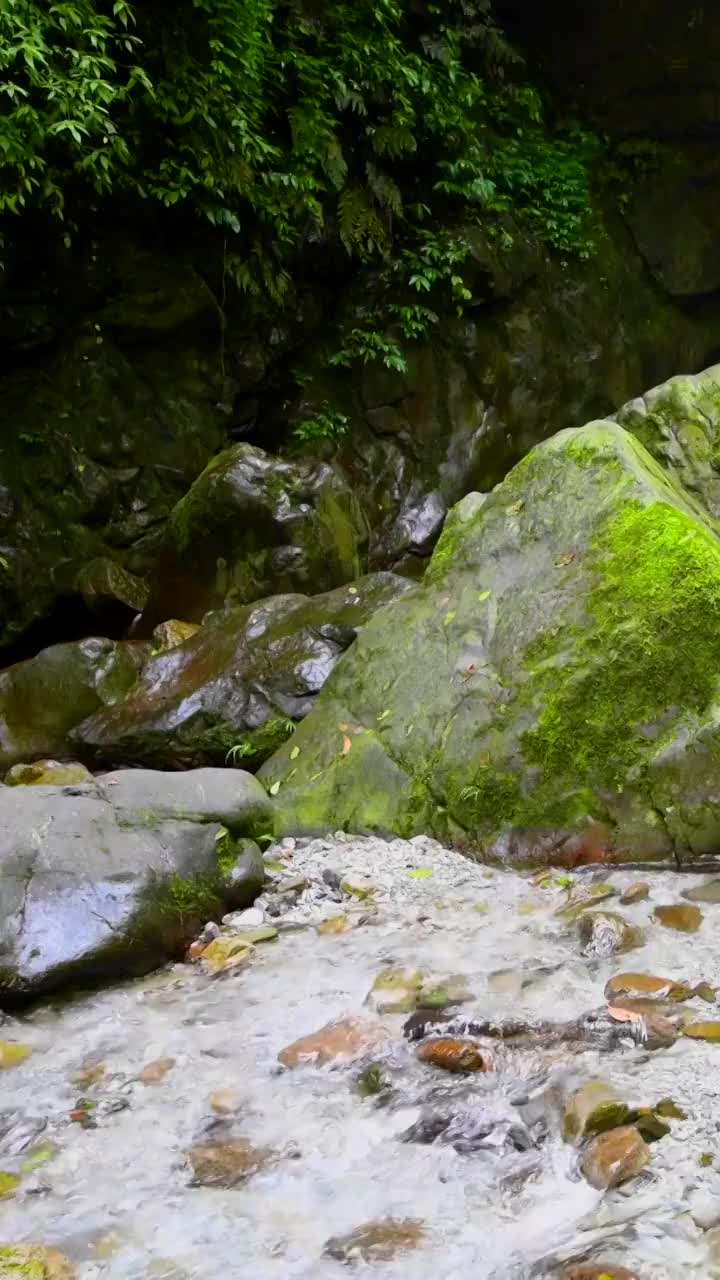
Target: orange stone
[
  {"x": 455, "y": 1055},
  {"x": 344, "y": 1040},
  {"x": 614, "y": 1157}
]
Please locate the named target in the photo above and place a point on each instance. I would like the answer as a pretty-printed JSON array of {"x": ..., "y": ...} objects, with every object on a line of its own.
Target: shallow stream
[{"x": 117, "y": 1198}]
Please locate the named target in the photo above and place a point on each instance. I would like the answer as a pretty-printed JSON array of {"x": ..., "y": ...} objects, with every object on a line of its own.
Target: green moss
[
  {"x": 492, "y": 798},
  {"x": 659, "y": 568}
]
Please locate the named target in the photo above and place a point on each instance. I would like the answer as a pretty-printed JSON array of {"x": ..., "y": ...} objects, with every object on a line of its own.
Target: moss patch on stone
[{"x": 634, "y": 670}]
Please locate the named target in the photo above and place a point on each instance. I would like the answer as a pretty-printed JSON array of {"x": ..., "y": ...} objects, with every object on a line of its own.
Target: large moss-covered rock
[
  {"x": 111, "y": 878},
  {"x": 42, "y": 699},
  {"x": 253, "y": 524},
  {"x": 237, "y": 685},
  {"x": 558, "y": 668}
]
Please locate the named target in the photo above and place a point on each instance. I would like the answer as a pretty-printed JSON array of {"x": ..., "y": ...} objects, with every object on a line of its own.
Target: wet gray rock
[
  {"x": 237, "y": 685},
  {"x": 109, "y": 879}
]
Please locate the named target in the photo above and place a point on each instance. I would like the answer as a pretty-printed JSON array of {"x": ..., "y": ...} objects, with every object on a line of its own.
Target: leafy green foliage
[
  {"x": 328, "y": 425},
  {"x": 368, "y": 121}
]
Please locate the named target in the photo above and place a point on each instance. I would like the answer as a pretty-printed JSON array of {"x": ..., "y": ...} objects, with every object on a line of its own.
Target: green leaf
[
  {"x": 273, "y": 790},
  {"x": 420, "y": 873},
  {"x": 294, "y": 753}
]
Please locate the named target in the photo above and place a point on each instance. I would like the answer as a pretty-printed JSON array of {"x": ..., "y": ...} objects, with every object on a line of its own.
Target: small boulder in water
[
  {"x": 227, "y": 1163},
  {"x": 379, "y": 1241},
  {"x": 707, "y": 892},
  {"x": 592, "y": 1109},
  {"x": 338, "y": 1041},
  {"x": 636, "y": 892},
  {"x": 605, "y": 933},
  {"x": 458, "y": 1056},
  {"x": 645, "y": 984},
  {"x": 614, "y": 1157}
]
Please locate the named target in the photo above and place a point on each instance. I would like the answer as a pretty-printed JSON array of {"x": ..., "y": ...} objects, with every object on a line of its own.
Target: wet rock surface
[
  {"x": 233, "y": 690},
  {"x": 109, "y": 878},
  {"x": 253, "y": 524}
]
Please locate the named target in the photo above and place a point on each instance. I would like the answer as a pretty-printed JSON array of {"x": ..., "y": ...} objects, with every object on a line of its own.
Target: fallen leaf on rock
[
  {"x": 273, "y": 790},
  {"x": 347, "y": 744},
  {"x": 294, "y": 753},
  {"x": 420, "y": 873}
]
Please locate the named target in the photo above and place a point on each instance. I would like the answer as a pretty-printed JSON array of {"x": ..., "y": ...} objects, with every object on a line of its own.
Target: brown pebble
[{"x": 646, "y": 984}]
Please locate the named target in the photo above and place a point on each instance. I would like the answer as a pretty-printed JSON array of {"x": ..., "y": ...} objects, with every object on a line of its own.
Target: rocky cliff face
[{"x": 128, "y": 363}]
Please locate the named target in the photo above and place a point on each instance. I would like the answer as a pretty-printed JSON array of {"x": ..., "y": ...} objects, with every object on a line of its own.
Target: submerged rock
[
  {"x": 567, "y": 721},
  {"x": 111, "y": 878},
  {"x": 33, "y": 1262},
  {"x": 233, "y": 690},
  {"x": 379, "y": 1241},
  {"x": 228, "y": 1162},
  {"x": 708, "y": 892},
  {"x": 681, "y": 916}
]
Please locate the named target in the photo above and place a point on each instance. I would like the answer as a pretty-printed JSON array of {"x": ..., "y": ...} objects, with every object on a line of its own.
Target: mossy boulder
[
  {"x": 549, "y": 692},
  {"x": 252, "y": 524},
  {"x": 111, "y": 878},
  {"x": 42, "y": 699},
  {"x": 234, "y": 689}
]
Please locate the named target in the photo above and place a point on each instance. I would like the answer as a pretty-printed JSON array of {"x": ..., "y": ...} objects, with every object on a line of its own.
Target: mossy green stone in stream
[
  {"x": 9, "y": 1183},
  {"x": 549, "y": 680},
  {"x": 33, "y": 1262}
]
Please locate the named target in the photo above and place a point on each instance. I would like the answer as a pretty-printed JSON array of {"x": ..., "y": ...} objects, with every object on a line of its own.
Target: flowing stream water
[{"x": 118, "y": 1198}]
